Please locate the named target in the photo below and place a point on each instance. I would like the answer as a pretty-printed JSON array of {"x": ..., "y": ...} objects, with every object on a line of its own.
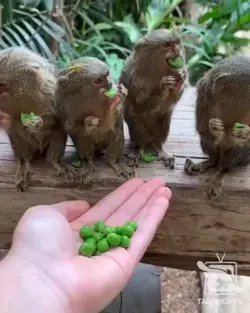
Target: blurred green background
[{"x": 63, "y": 30}]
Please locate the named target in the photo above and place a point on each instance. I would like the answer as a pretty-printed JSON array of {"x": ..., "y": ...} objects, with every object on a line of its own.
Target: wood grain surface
[{"x": 194, "y": 227}]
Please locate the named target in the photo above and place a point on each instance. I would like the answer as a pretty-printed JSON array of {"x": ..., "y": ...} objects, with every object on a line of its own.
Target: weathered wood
[{"x": 194, "y": 227}]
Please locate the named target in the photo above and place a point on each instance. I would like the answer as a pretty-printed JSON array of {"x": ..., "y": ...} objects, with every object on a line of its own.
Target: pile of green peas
[{"x": 99, "y": 238}]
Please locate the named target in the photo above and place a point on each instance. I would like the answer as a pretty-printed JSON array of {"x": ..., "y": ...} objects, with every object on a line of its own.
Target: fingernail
[{"x": 163, "y": 189}]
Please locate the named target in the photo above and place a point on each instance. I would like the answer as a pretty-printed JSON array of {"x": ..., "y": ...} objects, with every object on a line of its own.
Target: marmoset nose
[
  {"x": 110, "y": 85},
  {"x": 109, "y": 82},
  {"x": 176, "y": 50}
]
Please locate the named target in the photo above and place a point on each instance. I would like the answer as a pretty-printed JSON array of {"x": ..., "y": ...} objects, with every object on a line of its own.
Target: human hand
[{"x": 45, "y": 269}]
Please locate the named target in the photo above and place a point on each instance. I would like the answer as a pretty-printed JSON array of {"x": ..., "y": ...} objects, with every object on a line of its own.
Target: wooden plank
[{"x": 194, "y": 228}]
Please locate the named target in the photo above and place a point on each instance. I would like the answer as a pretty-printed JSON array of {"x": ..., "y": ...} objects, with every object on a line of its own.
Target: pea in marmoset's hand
[{"x": 45, "y": 247}]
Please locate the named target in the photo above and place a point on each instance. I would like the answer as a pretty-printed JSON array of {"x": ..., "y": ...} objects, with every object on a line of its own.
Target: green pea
[
  {"x": 111, "y": 92},
  {"x": 98, "y": 236},
  {"x": 109, "y": 230},
  {"x": 119, "y": 229},
  {"x": 114, "y": 240},
  {"x": 76, "y": 163},
  {"x": 133, "y": 224},
  {"x": 238, "y": 125},
  {"x": 91, "y": 240},
  {"x": 87, "y": 249},
  {"x": 125, "y": 242},
  {"x": 25, "y": 117},
  {"x": 128, "y": 231},
  {"x": 86, "y": 232},
  {"x": 176, "y": 62},
  {"x": 99, "y": 227},
  {"x": 148, "y": 157},
  {"x": 102, "y": 245}
]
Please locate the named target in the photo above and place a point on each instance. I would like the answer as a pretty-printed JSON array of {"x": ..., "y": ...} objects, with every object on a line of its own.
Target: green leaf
[
  {"x": 88, "y": 44},
  {"x": 193, "y": 61},
  {"x": 236, "y": 41},
  {"x": 89, "y": 22},
  {"x": 26, "y": 36},
  {"x": 3, "y": 44},
  {"x": 130, "y": 28},
  {"x": 158, "y": 10},
  {"x": 57, "y": 28},
  {"x": 173, "y": 19},
  {"x": 229, "y": 7},
  {"x": 15, "y": 35},
  {"x": 132, "y": 31},
  {"x": 209, "y": 37},
  {"x": 8, "y": 38},
  {"x": 209, "y": 64},
  {"x": 240, "y": 20},
  {"x": 102, "y": 17},
  {"x": 103, "y": 26},
  {"x": 31, "y": 3},
  {"x": 112, "y": 46},
  {"x": 214, "y": 13},
  {"x": 54, "y": 35},
  {"x": 48, "y": 4},
  {"x": 42, "y": 45},
  {"x": 197, "y": 30},
  {"x": 7, "y": 12},
  {"x": 199, "y": 50}
]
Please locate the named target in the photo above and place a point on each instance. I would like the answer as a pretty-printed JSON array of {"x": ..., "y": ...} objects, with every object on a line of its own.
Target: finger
[
  {"x": 105, "y": 207},
  {"x": 115, "y": 102},
  {"x": 162, "y": 192},
  {"x": 135, "y": 203},
  {"x": 70, "y": 209},
  {"x": 119, "y": 255},
  {"x": 147, "y": 229}
]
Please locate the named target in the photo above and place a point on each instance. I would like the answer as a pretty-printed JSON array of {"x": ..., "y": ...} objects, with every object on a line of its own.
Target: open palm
[{"x": 45, "y": 243}]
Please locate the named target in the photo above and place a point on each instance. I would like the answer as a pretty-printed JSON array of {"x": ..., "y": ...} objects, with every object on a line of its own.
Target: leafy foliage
[
  {"x": 109, "y": 29},
  {"x": 217, "y": 32},
  {"x": 28, "y": 27}
]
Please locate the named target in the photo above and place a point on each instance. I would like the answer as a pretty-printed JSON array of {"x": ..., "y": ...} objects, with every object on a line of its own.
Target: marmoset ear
[{"x": 141, "y": 43}]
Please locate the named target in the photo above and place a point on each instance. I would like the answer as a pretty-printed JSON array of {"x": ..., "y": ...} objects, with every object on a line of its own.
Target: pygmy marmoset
[
  {"x": 94, "y": 119},
  {"x": 154, "y": 87},
  {"x": 27, "y": 84},
  {"x": 222, "y": 120}
]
